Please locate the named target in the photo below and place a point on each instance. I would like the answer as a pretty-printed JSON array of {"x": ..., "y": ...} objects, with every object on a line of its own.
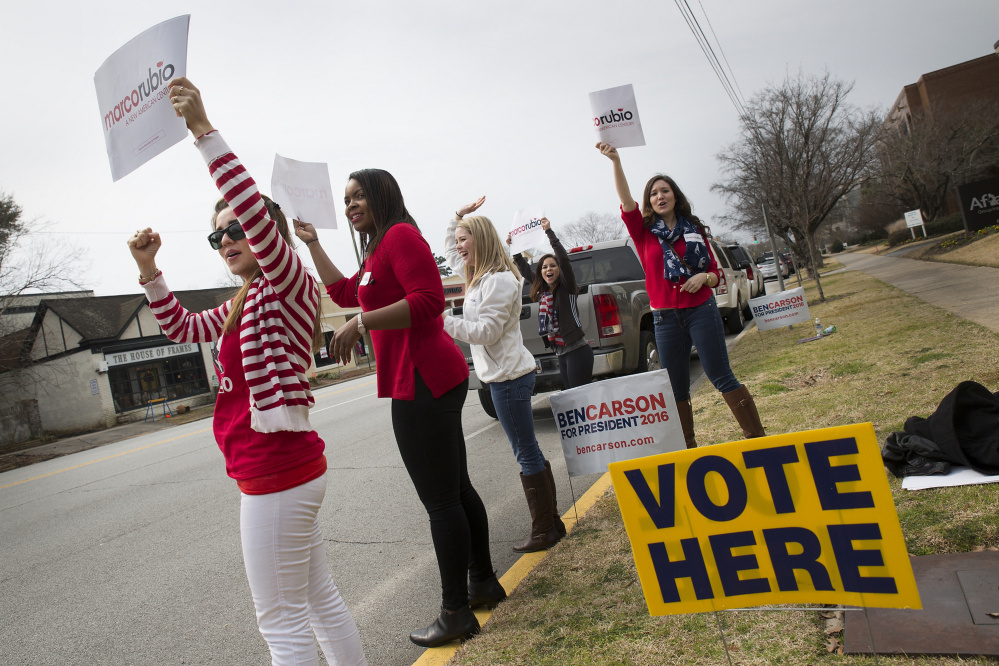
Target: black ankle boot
[
  {"x": 486, "y": 593},
  {"x": 449, "y": 625}
]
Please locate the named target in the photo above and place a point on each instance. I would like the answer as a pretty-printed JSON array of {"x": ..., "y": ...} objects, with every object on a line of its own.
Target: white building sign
[{"x": 150, "y": 354}]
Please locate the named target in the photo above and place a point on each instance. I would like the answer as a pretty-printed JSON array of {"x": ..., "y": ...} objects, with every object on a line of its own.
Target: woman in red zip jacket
[{"x": 680, "y": 272}]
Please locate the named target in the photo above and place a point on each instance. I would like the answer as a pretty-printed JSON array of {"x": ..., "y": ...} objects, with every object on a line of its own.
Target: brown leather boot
[
  {"x": 559, "y": 525},
  {"x": 539, "y": 500},
  {"x": 744, "y": 409},
  {"x": 686, "y": 414}
]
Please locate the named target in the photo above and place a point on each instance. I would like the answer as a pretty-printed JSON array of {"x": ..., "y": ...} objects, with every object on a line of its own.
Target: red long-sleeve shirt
[
  {"x": 403, "y": 267},
  {"x": 663, "y": 293}
]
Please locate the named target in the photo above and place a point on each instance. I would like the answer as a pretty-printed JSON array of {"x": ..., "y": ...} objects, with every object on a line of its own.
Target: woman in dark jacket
[{"x": 555, "y": 287}]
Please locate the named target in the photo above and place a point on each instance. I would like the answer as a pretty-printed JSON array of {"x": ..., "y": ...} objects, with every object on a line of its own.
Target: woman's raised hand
[
  {"x": 509, "y": 239},
  {"x": 144, "y": 245},
  {"x": 608, "y": 151},
  {"x": 186, "y": 100},
  {"x": 305, "y": 231},
  {"x": 545, "y": 224},
  {"x": 470, "y": 208},
  {"x": 620, "y": 181}
]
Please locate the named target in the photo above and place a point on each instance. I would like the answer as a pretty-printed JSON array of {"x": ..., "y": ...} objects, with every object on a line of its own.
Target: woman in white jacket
[{"x": 490, "y": 323}]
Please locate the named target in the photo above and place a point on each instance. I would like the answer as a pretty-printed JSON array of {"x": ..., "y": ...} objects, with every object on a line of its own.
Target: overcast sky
[{"x": 456, "y": 99}]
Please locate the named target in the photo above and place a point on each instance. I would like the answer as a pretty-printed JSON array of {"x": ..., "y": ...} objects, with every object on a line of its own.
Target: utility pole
[{"x": 773, "y": 248}]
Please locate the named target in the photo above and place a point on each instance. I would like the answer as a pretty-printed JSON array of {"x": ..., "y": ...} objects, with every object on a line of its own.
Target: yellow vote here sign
[{"x": 806, "y": 517}]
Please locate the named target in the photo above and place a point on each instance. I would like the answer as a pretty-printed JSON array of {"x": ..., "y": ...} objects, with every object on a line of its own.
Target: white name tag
[
  {"x": 366, "y": 278},
  {"x": 692, "y": 238}
]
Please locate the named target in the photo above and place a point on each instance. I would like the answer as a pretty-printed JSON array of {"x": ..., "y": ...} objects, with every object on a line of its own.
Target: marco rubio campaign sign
[
  {"x": 526, "y": 231},
  {"x": 615, "y": 117},
  {"x": 133, "y": 96},
  {"x": 303, "y": 190},
  {"x": 802, "y": 518},
  {"x": 618, "y": 419},
  {"x": 781, "y": 309}
]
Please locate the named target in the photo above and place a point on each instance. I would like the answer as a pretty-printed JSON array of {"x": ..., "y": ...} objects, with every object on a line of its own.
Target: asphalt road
[{"x": 129, "y": 553}]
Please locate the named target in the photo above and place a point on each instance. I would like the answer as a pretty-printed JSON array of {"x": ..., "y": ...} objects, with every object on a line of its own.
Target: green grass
[{"x": 584, "y": 605}]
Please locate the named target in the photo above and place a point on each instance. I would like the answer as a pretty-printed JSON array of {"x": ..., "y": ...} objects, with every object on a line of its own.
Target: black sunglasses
[{"x": 234, "y": 230}]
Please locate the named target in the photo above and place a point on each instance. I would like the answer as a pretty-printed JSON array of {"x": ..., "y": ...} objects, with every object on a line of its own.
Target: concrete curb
[{"x": 512, "y": 578}]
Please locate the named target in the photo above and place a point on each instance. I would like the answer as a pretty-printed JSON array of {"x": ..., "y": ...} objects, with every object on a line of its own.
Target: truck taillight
[
  {"x": 608, "y": 315},
  {"x": 749, "y": 272},
  {"x": 722, "y": 287}
]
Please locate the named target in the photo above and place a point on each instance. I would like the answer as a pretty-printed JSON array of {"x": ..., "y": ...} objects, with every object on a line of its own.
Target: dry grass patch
[
  {"x": 892, "y": 357},
  {"x": 984, "y": 252},
  {"x": 978, "y": 249}
]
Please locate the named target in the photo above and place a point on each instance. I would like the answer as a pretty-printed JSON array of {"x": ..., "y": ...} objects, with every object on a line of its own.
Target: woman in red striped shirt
[{"x": 265, "y": 336}]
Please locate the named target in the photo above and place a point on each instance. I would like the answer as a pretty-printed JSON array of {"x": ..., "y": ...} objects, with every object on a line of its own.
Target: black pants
[
  {"x": 432, "y": 445},
  {"x": 576, "y": 367}
]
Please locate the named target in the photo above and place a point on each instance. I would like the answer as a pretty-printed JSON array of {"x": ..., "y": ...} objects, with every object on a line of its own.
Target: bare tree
[
  {"x": 874, "y": 213},
  {"x": 922, "y": 160},
  {"x": 592, "y": 228},
  {"x": 801, "y": 149},
  {"x": 29, "y": 264}
]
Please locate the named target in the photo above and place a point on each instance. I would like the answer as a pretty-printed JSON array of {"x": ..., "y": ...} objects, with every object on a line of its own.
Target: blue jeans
[
  {"x": 512, "y": 400},
  {"x": 676, "y": 330}
]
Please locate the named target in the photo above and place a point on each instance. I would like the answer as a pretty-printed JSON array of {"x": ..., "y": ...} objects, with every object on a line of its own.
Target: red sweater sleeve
[
  {"x": 417, "y": 273},
  {"x": 343, "y": 292}
]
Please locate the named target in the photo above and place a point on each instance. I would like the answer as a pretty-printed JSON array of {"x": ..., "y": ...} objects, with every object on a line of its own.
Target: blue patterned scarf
[
  {"x": 695, "y": 257},
  {"x": 548, "y": 319}
]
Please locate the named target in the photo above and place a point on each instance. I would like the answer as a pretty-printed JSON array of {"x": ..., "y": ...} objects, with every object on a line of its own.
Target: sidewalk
[
  {"x": 65, "y": 446},
  {"x": 970, "y": 292},
  {"x": 33, "y": 453}
]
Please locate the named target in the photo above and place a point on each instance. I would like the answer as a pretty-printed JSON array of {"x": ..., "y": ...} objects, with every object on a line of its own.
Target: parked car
[
  {"x": 732, "y": 293},
  {"x": 753, "y": 274},
  {"x": 769, "y": 269},
  {"x": 789, "y": 261},
  {"x": 613, "y": 309}
]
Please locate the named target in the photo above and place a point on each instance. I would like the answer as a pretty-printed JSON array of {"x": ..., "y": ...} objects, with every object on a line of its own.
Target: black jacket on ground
[{"x": 964, "y": 430}]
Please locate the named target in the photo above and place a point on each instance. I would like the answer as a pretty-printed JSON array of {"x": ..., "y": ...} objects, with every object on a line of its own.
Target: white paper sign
[
  {"x": 913, "y": 218},
  {"x": 617, "y": 419},
  {"x": 304, "y": 192},
  {"x": 526, "y": 231},
  {"x": 958, "y": 476},
  {"x": 781, "y": 309},
  {"x": 615, "y": 117},
  {"x": 138, "y": 120}
]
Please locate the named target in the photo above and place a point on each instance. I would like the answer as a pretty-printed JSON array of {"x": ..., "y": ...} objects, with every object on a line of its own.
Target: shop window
[
  {"x": 133, "y": 386},
  {"x": 322, "y": 356}
]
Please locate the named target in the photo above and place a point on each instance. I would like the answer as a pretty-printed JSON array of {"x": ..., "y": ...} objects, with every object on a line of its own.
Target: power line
[
  {"x": 709, "y": 53},
  {"x": 725, "y": 57}
]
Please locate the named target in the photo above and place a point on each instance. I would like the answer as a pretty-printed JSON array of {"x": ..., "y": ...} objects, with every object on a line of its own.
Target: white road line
[
  {"x": 316, "y": 411},
  {"x": 534, "y": 403}
]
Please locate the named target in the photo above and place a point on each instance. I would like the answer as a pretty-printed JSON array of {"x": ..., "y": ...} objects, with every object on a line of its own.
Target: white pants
[{"x": 293, "y": 591}]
